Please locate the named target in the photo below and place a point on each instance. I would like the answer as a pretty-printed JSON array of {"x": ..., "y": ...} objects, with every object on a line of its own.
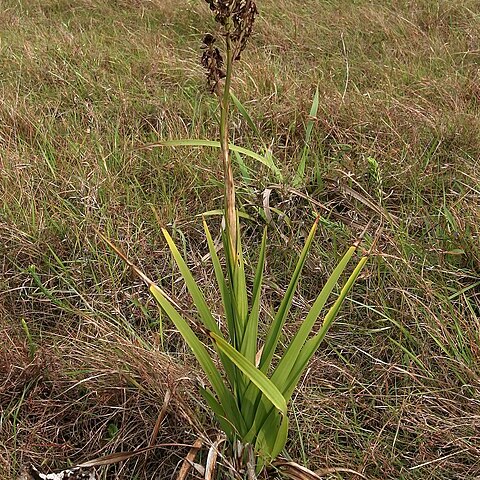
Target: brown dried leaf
[{"x": 187, "y": 463}]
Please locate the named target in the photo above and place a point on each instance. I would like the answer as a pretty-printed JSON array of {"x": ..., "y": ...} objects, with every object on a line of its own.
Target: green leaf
[
  {"x": 219, "y": 412},
  {"x": 308, "y": 134},
  {"x": 266, "y": 160},
  {"x": 245, "y": 114},
  {"x": 251, "y": 396},
  {"x": 281, "y": 375},
  {"x": 279, "y": 320},
  {"x": 211, "y": 213},
  {"x": 254, "y": 408},
  {"x": 199, "y": 301},
  {"x": 240, "y": 293},
  {"x": 244, "y": 170},
  {"x": 227, "y": 300},
  {"x": 311, "y": 346},
  {"x": 226, "y": 398},
  {"x": 250, "y": 336},
  {"x": 197, "y": 296},
  {"x": 281, "y": 440},
  {"x": 270, "y": 391},
  {"x": 262, "y": 410},
  {"x": 272, "y": 436}
]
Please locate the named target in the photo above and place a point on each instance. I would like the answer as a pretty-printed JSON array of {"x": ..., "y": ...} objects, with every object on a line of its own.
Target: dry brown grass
[{"x": 86, "y": 395}]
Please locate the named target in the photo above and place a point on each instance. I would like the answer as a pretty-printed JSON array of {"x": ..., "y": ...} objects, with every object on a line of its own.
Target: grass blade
[
  {"x": 244, "y": 170},
  {"x": 308, "y": 134},
  {"x": 266, "y": 160},
  {"x": 243, "y": 111}
]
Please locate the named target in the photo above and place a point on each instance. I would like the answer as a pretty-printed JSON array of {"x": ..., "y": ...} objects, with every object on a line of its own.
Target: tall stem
[{"x": 230, "y": 212}]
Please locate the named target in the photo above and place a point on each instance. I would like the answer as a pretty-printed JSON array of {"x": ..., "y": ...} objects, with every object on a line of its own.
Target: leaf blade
[
  {"x": 281, "y": 374},
  {"x": 279, "y": 320},
  {"x": 224, "y": 395},
  {"x": 270, "y": 391},
  {"x": 266, "y": 160},
  {"x": 194, "y": 290},
  {"x": 311, "y": 346},
  {"x": 250, "y": 337}
]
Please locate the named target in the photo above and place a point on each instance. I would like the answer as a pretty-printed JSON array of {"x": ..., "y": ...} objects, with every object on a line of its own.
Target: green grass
[{"x": 84, "y": 83}]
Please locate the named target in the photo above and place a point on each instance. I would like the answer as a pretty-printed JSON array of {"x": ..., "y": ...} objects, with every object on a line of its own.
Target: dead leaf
[
  {"x": 160, "y": 418},
  {"x": 212, "y": 458},
  {"x": 187, "y": 463}
]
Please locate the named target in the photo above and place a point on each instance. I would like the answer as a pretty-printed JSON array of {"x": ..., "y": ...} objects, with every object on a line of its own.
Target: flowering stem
[{"x": 230, "y": 213}]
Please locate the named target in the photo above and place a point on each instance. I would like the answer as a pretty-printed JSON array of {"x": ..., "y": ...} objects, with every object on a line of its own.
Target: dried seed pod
[
  {"x": 212, "y": 61},
  {"x": 237, "y": 18},
  {"x": 221, "y": 9},
  {"x": 243, "y": 17}
]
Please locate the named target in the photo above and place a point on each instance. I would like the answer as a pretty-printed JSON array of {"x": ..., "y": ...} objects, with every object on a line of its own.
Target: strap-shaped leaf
[
  {"x": 281, "y": 374},
  {"x": 224, "y": 395},
  {"x": 218, "y": 212},
  {"x": 264, "y": 384},
  {"x": 244, "y": 170},
  {"x": 281, "y": 440},
  {"x": 232, "y": 259},
  {"x": 197, "y": 295},
  {"x": 240, "y": 292},
  {"x": 250, "y": 336},
  {"x": 311, "y": 346},
  {"x": 272, "y": 436},
  {"x": 279, "y": 320},
  {"x": 227, "y": 301},
  {"x": 220, "y": 415},
  {"x": 266, "y": 160},
  {"x": 253, "y": 410},
  {"x": 251, "y": 395},
  {"x": 222, "y": 284},
  {"x": 262, "y": 410}
]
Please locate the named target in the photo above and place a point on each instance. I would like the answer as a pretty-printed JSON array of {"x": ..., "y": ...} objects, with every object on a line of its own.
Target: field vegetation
[{"x": 87, "y": 358}]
